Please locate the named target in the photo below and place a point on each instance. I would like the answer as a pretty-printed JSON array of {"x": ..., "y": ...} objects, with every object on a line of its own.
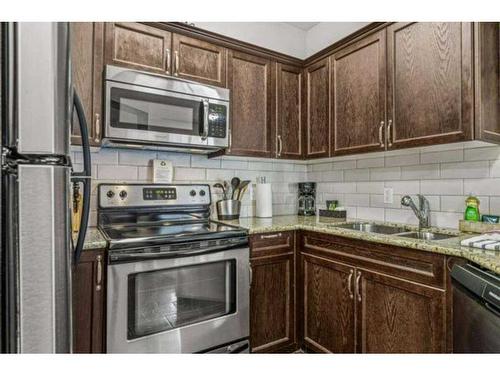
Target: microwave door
[{"x": 147, "y": 114}]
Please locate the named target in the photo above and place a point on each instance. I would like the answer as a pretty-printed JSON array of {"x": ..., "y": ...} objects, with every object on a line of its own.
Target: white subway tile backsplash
[
  {"x": 445, "y": 219},
  {"x": 136, "y": 157},
  {"x": 346, "y": 164},
  {"x": 482, "y": 153},
  {"x": 219, "y": 175},
  {"x": 400, "y": 216},
  {"x": 202, "y": 161},
  {"x": 117, "y": 172},
  {"x": 260, "y": 166},
  {"x": 357, "y": 200},
  {"x": 188, "y": 174},
  {"x": 441, "y": 156},
  {"x": 370, "y": 187},
  {"x": 331, "y": 176},
  {"x": 234, "y": 164},
  {"x": 403, "y": 187},
  {"x": 400, "y": 160},
  {"x": 370, "y": 162},
  {"x": 441, "y": 187},
  {"x": 384, "y": 174},
  {"x": 418, "y": 172},
  {"x": 370, "y": 213},
  {"x": 357, "y": 174},
  {"x": 322, "y": 167},
  {"x": 470, "y": 169},
  {"x": 178, "y": 159},
  {"x": 344, "y": 187},
  {"x": 485, "y": 186}
]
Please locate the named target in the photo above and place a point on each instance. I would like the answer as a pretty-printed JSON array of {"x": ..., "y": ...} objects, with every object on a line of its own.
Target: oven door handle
[
  {"x": 127, "y": 257},
  {"x": 204, "y": 134}
]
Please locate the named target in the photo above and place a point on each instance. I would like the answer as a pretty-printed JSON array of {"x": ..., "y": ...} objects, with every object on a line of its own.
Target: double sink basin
[{"x": 395, "y": 231}]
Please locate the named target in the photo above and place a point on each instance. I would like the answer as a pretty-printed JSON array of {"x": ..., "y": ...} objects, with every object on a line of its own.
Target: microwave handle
[{"x": 204, "y": 135}]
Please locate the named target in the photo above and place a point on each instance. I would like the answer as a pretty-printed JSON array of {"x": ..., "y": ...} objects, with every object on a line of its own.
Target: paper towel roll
[{"x": 263, "y": 200}]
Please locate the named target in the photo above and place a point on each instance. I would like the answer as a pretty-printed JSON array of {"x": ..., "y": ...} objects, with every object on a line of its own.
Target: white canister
[{"x": 263, "y": 200}]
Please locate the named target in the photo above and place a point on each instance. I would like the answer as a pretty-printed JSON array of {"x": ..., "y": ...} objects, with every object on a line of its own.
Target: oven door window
[
  {"x": 145, "y": 111},
  {"x": 170, "y": 298}
]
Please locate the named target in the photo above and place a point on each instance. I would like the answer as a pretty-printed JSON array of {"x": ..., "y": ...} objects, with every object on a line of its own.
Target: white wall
[
  {"x": 285, "y": 38},
  {"x": 277, "y": 36},
  {"x": 326, "y": 33}
]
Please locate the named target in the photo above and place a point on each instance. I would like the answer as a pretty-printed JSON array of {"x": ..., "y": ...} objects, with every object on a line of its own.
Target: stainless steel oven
[
  {"x": 179, "y": 305},
  {"x": 154, "y": 111},
  {"x": 177, "y": 281}
]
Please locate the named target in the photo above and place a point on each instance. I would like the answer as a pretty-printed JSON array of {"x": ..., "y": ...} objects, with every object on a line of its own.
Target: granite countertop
[
  {"x": 486, "y": 258},
  {"x": 94, "y": 240}
]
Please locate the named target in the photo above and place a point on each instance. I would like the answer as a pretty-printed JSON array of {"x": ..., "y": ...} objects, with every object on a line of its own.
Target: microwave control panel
[{"x": 217, "y": 120}]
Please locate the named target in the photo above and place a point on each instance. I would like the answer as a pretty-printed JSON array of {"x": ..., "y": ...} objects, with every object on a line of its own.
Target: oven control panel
[{"x": 152, "y": 195}]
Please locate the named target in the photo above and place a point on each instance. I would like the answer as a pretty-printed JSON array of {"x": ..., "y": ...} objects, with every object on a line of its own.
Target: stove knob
[
  {"x": 110, "y": 194},
  {"x": 192, "y": 193},
  {"x": 123, "y": 194},
  {"x": 202, "y": 193}
]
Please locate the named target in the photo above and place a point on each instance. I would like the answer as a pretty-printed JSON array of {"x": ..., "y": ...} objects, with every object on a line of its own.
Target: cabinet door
[
  {"x": 198, "y": 60},
  {"x": 289, "y": 114},
  {"x": 318, "y": 109},
  {"x": 88, "y": 303},
  {"x": 138, "y": 46},
  {"x": 249, "y": 79},
  {"x": 397, "y": 316},
  {"x": 358, "y": 96},
  {"x": 430, "y": 96},
  {"x": 87, "y": 49},
  {"x": 328, "y": 305},
  {"x": 272, "y": 303}
]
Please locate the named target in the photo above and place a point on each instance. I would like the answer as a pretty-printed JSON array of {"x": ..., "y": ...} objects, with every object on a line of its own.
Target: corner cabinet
[
  {"x": 87, "y": 49},
  {"x": 249, "y": 79},
  {"x": 430, "y": 96},
  {"x": 89, "y": 293},
  {"x": 289, "y": 116},
  {"x": 272, "y": 292},
  {"x": 317, "y": 104}
]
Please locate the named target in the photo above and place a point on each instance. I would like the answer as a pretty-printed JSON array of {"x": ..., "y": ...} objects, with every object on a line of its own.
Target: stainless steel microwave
[{"x": 151, "y": 111}]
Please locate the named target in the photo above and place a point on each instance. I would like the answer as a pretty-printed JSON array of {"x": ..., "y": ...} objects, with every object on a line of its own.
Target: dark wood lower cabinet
[
  {"x": 272, "y": 293},
  {"x": 398, "y": 316},
  {"x": 328, "y": 305},
  {"x": 89, "y": 289}
]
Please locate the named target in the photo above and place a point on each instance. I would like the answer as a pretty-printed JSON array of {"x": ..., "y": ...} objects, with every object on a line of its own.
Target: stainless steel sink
[
  {"x": 373, "y": 228},
  {"x": 428, "y": 236}
]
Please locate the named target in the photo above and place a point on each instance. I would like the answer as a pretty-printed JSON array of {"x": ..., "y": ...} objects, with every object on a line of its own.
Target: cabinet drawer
[
  {"x": 413, "y": 265},
  {"x": 265, "y": 244}
]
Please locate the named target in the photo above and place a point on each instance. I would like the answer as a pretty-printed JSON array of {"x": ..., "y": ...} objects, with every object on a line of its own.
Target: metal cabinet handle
[
  {"x": 380, "y": 130},
  {"x": 389, "y": 133},
  {"x": 280, "y": 145},
  {"x": 99, "y": 273},
  {"x": 349, "y": 284},
  {"x": 358, "y": 292},
  {"x": 250, "y": 274},
  {"x": 97, "y": 127},
  {"x": 167, "y": 58},
  {"x": 176, "y": 67},
  {"x": 269, "y": 236}
]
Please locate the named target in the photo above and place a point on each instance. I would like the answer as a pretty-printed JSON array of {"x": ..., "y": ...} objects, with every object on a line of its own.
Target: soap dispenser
[{"x": 472, "y": 208}]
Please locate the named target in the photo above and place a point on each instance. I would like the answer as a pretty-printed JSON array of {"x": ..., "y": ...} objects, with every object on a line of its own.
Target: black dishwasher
[{"x": 476, "y": 310}]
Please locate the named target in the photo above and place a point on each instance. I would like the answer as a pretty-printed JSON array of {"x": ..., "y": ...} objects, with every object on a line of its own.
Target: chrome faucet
[{"x": 423, "y": 213}]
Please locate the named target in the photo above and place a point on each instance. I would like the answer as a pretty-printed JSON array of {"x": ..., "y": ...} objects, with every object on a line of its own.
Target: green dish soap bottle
[{"x": 472, "y": 208}]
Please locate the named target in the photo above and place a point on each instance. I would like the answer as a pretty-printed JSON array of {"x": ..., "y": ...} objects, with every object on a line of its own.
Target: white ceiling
[{"x": 303, "y": 25}]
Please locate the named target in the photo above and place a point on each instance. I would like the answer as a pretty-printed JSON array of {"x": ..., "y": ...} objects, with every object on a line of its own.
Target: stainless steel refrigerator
[{"x": 37, "y": 252}]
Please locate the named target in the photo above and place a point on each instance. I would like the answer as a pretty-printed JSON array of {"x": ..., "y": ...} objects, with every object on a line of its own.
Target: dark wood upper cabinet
[
  {"x": 487, "y": 81},
  {"x": 89, "y": 288},
  {"x": 328, "y": 311},
  {"x": 137, "y": 46},
  {"x": 358, "y": 96},
  {"x": 317, "y": 135},
  {"x": 272, "y": 293},
  {"x": 198, "y": 60},
  {"x": 87, "y": 49},
  {"x": 289, "y": 119},
  {"x": 430, "y": 92},
  {"x": 397, "y": 316},
  {"x": 249, "y": 79}
]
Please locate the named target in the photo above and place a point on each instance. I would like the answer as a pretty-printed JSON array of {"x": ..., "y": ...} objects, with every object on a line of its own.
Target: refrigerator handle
[{"x": 83, "y": 177}]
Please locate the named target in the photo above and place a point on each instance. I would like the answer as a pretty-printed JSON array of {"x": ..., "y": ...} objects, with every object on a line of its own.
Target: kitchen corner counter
[
  {"x": 488, "y": 259},
  {"x": 94, "y": 240}
]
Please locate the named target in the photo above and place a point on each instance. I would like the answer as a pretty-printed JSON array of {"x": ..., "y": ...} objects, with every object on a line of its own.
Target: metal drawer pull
[
  {"x": 280, "y": 145},
  {"x": 380, "y": 129},
  {"x": 349, "y": 284},
  {"x": 358, "y": 277},
  {"x": 269, "y": 236},
  {"x": 250, "y": 272},
  {"x": 176, "y": 72},
  {"x": 168, "y": 60},
  {"x": 99, "y": 273},
  {"x": 389, "y": 133}
]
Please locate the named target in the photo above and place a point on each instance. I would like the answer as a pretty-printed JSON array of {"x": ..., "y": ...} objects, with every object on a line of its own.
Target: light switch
[{"x": 389, "y": 195}]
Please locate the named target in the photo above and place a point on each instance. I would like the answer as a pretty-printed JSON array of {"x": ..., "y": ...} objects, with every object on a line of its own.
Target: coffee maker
[{"x": 307, "y": 198}]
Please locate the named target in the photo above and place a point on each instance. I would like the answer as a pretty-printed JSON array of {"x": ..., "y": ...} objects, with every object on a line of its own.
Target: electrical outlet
[{"x": 388, "y": 195}]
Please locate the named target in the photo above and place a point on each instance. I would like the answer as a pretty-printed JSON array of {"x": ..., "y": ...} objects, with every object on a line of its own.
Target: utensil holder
[{"x": 228, "y": 209}]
